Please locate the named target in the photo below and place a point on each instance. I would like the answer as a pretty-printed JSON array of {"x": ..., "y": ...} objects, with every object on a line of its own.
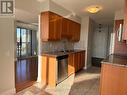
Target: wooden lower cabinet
[
  {"x": 44, "y": 70},
  {"x": 52, "y": 72},
  {"x": 49, "y": 71},
  {"x": 71, "y": 68},
  {"x": 113, "y": 80},
  {"x": 76, "y": 61}
]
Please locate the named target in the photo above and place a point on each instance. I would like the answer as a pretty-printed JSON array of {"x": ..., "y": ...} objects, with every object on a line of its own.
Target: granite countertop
[
  {"x": 60, "y": 53},
  {"x": 114, "y": 59}
]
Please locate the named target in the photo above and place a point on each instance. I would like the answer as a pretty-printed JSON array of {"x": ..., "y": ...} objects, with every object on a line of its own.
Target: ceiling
[{"x": 106, "y": 15}]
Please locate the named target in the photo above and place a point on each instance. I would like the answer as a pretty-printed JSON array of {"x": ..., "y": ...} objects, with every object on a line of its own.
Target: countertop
[
  {"x": 119, "y": 60},
  {"x": 60, "y": 53}
]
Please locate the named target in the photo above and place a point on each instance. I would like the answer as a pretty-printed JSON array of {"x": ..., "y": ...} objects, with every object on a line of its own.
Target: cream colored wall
[{"x": 7, "y": 75}]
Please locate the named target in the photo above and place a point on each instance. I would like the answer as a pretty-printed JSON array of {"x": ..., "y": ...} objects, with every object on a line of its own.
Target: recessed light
[{"x": 93, "y": 9}]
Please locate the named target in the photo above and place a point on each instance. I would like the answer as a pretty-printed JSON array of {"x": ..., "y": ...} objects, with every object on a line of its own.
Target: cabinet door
[
  {"x": 51, "y": 26},
  {"x": 52, "y": 71},
  {"x": 55, "y": 26},
  {"x": 71, "y": 69},
  {"x": 82, "y": 59},
  {"x": 44, "y": 26},
  {"x": 75, "y": 32},
  {"x": 125, "y": 22},
  {"x": 76, "y": 61},
  {"x": 65, "y": 30},
  {"x": 70, "y": 29},
  {"x": 44, "y": 70},
  {"x": 113, "y": 80},
  {"x": 79, "y": 60}
]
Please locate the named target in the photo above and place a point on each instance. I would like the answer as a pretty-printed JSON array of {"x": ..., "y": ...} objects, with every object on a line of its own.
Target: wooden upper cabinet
[
  {"x": 55, "y": 27},
  {"x": 51, "y": 26},
  {"x": 65, "y": 29},
  {"x": 70, "y": 30},
  {"x": 76, "y": 32},
  {"x": 125, "y": 22}
]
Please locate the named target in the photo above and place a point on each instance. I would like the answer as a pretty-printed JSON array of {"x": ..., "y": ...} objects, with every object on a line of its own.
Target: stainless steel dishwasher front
[{"x": 62, "y": 71}]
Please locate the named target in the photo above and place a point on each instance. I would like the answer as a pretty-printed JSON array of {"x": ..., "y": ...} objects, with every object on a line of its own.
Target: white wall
[
  {"x": 82, "y": 44},
  {"x": 119, "y": 14},
  {"x": 89, "y": 44},
  {"x": 7, "y": 75},
  {"x": 101, "y": 41}
]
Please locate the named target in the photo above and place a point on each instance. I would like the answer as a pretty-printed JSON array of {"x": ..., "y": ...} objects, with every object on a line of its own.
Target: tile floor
[{"x": 85, "y": 82}]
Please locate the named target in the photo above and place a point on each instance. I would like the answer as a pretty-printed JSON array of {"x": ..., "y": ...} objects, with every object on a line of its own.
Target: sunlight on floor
[{"x": 85, "y": 82}]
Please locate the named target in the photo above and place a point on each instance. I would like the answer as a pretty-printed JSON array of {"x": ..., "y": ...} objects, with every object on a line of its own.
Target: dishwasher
[{"x": 62, "y": 68}]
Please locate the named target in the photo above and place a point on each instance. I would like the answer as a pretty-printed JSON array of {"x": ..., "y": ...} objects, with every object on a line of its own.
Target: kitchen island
[{"x": 114, "y": 75}]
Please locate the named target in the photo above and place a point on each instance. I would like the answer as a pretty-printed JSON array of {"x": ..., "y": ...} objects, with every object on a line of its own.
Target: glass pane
[
  {"x": 34, "y": 43},
  {"x": 24, "y": 49},
  {"x": 28, "y": 36},
  {"x": 18, "y": 34},
  {"x": 18, "y": 41},
  {"x": 29, "y": 48},
  {"x": 23, "y": 35}
]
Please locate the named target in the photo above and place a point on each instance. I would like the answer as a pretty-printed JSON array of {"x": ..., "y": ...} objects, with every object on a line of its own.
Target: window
[{"x": 26, "y": 42}]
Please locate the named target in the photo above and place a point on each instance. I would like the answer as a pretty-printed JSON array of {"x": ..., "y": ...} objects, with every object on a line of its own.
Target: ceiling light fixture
[{"x": 94, "y": 9}]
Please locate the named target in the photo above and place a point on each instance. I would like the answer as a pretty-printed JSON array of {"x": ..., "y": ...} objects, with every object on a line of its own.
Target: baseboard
[
  {"x": 85, "y": 68},
  {"x": 9, "y": 92}
]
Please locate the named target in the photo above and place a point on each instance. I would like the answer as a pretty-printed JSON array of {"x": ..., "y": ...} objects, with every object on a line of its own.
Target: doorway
[
  {"x": 26, "y": 65},
  {"x": 101, "y": 43}
]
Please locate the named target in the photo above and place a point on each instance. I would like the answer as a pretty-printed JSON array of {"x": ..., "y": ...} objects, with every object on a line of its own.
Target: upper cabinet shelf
[{"x": 55, "y": 27}]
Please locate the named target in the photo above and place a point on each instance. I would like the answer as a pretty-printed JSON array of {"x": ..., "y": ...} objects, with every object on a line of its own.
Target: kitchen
[{"x": 68, "y": 44}]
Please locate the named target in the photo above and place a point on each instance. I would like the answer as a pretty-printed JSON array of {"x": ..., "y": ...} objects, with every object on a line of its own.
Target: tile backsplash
[{"x": 56, "y": 46}]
